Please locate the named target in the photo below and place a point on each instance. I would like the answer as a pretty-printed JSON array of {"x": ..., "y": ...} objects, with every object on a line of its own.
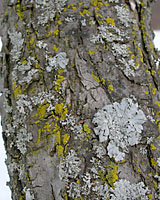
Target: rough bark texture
[
  {"x": 155, "y": 15},
  {"x": 81, "y": 100}
]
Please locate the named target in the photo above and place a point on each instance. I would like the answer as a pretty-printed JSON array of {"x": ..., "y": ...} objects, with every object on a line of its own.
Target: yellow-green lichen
[
  {"x": 61, "y": 111},
  {"x": 55, "y": 48},
  {"x": 58, "y": 82},
  {"x": 112, "y": 176},
  {"x": 41, "y": 110},
  {"x": 39, "y": 137},
  {"x": 16, "y": 90},
  {"x": 95, "y": 77},
  {"x": 153, "y": 162},
  {"x": 66, "y": 138},
  {"x": 96, "y": 3},
  {"x": 110, "y": 21},
  {"x": 153, "y": 147}
]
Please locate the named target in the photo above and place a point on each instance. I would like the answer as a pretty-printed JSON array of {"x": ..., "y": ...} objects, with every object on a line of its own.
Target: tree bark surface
[{"x": 81, "y": 103}]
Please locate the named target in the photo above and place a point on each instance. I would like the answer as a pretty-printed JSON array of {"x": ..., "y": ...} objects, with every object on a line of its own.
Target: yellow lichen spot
[
  {"x": 90, "y": 21},
  {"x": 48, "y": 34},
  {"x": 58, "y": 137},
  {"x": 39, "y": 137},
  {"x": 103, "y": 81},
  {"x": 158, "y": 104},
  {"x": 153, "y": 147},
  {"x": 96, "y": 3},
  {"x": 65, "y": 138},
  {"x": 47, "y": 127},
  {"x": 16, "y": 90},
  {"x": 158, "y": 137},
  {"x": 60, "y": 71},
  {"x": 59, "y": 22},
  {"x": 65, "y": 9},
  {"x": 74, "y": 8},
  {"x": 37, "y": 66},
  {"x": 85, "y": 11},
  {"x": 106, "y": 4},
  {"x": 59, "y": 149},
  {"x": 146, "y": 92},
  {"x": 5, "y": 13},
  {"x": 20, "y": 14},
  {"x": 150, "y": 84},
  {"x": 159, "y": 126},
  {"x": 31, "y": 41},
  {"x": 80, "y": 3},
  {"x": 35, "y": 152},
  {"x": 153, "y": 72},
  {"x": 55, "y": 48},
  {"x": 22, "y": 197},
  {"x": 110, "y": 87},
  {"x": 155, "y": 185},
  {"x": 41, "y": 110},
  {"x": 66, "y": 196},
  {"x": 110, "y": 21},
  {"x": 138, "y": 170},
  {"x": 141, "y": 59},
  {"x": 149, "y": 196},
  {"x": 95, "y": 77},
  {"x": 99, "y": 14},
  {"x": 56, "y": 128},
  {"x": 87, "y": 148},
  {"x": 154, "y": 91},
  {"x": 24, "y": 62},
  {"x": 78, "y": 181},
  {"x": 56, "y": 31},
  {"x": 58, "y": 83},
  {"x": 91, "y": 52},
  {"x": 112, "y": 174},
  {"x": 153, "y": 162},
  {"x": 59, "y": 108},
  {"x": 86, "y": 129},
  {"x": 151, "y": 45},
  {"x": 131, "y": 57}
]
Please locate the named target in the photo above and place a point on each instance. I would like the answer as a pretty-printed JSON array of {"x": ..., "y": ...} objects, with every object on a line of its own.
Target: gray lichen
[
  {"x": 60, "y": 61},
  {"x": 28, "y": 194},
  {"x": 22, "y": 138},
  {"x": 120, "y": 50},
  {"x": 124, "y": 190},
  {"x": 158, "y": 161},
  {"x": 113, "y": 1},
  {"x": 121, "y": 123},
  {"x": 49, "y": 9},
  {"x": 17, "y": 42},
  {"x": 102, "y": 190},
  {"x": 123, "y": 14},
  {"x": 70, "y": 166}
]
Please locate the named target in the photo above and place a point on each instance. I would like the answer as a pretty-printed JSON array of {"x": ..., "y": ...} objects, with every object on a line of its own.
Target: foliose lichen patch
[
  {"x": 49, "y": 9},
  {"x": 124, "y": 190},
  {"x": 121, "y": 123},
  {"x": 17, "y": 43},
  {"x": 59, "y": 61}
]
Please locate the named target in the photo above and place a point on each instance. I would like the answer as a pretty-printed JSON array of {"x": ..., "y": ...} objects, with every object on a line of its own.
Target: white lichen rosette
[{"x": 121, "y": 124}]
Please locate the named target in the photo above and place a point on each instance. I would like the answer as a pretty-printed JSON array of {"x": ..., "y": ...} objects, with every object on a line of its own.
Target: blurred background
[{"x": 4, "y": 190}]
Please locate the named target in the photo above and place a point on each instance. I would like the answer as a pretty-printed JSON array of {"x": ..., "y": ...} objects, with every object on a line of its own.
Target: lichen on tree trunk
[{"x": 81, "y": 104}]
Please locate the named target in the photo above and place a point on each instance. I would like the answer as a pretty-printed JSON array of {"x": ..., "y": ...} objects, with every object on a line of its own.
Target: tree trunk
[{"x": 81, "y": 103}]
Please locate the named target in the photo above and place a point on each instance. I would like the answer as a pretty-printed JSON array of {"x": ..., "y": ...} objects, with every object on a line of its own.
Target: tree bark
[{"x": 81, "y": 103}]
